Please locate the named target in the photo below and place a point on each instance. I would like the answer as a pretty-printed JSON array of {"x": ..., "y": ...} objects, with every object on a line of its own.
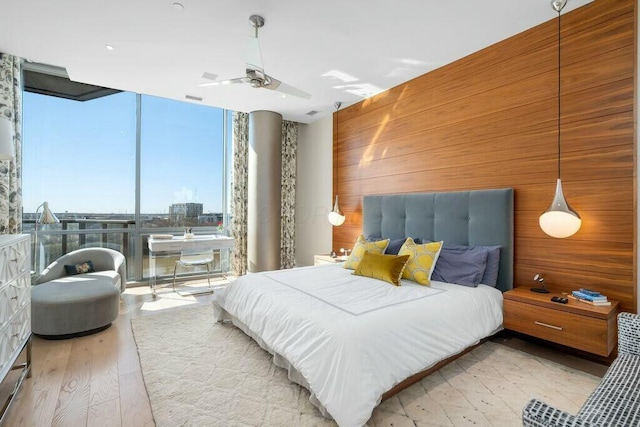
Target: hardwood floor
[
  {"x": 93, "y": 380},
  {"x": 96, "y": 380}
]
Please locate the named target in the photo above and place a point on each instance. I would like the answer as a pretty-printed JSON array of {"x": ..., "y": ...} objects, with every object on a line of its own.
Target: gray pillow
[
  {"x": 462, "y": 265},
  {"x": 490, "y": 277},
  {"x": 394, "y": 244}
]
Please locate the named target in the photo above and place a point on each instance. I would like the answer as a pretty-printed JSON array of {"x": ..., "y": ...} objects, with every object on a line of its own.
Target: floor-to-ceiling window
[
  {"x": 182, "y": 164},
  {"x": 80, "y": 158},
  {"x": 182, "y": 175},
  {"x": 120, "y": 167}
]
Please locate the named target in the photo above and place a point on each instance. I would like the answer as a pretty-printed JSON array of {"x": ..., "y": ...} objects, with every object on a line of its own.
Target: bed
[{"x": 353, "y": 340}]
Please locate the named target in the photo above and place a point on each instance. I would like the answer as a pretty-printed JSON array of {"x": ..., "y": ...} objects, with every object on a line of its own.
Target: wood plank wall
[{"x": 489, "y": 120}]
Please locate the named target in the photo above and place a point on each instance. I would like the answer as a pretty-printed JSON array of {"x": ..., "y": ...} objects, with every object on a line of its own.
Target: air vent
[
  {"x": 209, "y": 76},
  {"x": 312, "y": 112},
  {"x": 193, "y": 98}
]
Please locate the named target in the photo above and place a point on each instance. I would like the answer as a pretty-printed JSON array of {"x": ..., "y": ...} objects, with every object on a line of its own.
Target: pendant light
[
  {"x": 336, "y": 217},
  {"x": 559, "y": 220}
]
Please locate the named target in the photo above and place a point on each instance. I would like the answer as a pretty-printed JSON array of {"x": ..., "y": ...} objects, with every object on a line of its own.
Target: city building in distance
[{"x": 185, "y": 213}]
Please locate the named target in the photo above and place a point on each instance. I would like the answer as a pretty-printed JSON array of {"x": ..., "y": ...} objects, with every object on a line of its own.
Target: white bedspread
[{"x": 354, "y": 338}]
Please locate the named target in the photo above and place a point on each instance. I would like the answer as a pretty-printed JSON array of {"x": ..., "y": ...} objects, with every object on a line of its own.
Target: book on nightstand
[
  {"x": 590, "y": 292},
  {"x": 590, "y": 297},
  {"x": 596, "y": 303}
]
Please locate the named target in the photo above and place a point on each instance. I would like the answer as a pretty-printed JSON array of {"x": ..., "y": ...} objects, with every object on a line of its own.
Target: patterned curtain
[
  {"x": 288, "y": 200},
  {"x": 239, "y": 190},
  {"x": 11, "y": 170}
]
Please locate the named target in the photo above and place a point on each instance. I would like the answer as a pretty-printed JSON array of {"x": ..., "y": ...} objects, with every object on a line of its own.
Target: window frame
[{"x": 137, "y": 234}]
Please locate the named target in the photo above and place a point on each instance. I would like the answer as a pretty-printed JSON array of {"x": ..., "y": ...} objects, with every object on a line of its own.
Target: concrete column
[{"x": 265, "y": 174}]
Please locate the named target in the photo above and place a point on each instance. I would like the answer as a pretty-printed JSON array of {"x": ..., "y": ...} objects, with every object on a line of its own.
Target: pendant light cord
[
  {"x": 559, "y": 95},
  {"x": 337, "y": 104}
]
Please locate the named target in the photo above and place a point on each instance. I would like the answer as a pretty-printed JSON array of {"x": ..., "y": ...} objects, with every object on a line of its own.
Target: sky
[{"x": 80, "y": 156}]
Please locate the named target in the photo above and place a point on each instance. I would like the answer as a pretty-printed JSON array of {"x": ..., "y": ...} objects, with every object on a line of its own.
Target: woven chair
[{"x": 616, "y": 400}]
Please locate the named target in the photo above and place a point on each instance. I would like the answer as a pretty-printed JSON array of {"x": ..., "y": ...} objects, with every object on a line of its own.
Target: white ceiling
[{"x": 336, "y": 50}]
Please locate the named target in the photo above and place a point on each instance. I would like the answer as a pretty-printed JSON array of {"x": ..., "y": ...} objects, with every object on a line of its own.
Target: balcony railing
[
  {"x": 71, "y": 234},
  {"x": 120, "y": 234}
]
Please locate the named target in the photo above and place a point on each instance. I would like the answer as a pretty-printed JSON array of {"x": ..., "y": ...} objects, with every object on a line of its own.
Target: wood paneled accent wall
[{"x": 489, "y": 120}]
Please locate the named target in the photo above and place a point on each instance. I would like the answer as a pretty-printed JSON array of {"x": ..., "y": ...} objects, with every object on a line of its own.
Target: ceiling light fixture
[
  {"x": 559, "y": 220},
  {"x": 336, "y": 217},
  {"x": 109, "y": 47}
]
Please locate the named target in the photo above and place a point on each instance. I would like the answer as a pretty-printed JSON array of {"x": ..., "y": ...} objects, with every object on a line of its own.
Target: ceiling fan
[{"x": 255, "y": 74}]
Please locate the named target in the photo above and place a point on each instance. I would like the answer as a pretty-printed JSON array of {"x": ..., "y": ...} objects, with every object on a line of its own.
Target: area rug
[{"x": 201, "y": 373}]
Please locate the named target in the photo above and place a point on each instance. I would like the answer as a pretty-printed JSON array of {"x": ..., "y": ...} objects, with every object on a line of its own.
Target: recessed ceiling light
[
  {"x": 178, "y": 6},
  {"x": 109, "y": 47}
]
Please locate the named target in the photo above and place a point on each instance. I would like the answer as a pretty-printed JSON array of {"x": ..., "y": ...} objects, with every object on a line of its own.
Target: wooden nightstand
[
  {"x": 576, "y": 324},
  {"x": 326, "y": 259}
]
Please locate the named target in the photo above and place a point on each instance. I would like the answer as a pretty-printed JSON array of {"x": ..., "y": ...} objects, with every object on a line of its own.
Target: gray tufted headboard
[{"x": 470, "y": 218}]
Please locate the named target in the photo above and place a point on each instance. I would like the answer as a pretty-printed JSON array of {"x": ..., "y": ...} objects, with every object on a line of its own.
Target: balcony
[{"x": 118, "y": 234}]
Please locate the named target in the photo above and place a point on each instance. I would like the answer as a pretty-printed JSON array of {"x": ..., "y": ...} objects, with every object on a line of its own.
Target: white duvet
[{"x": 354, "y": 338}]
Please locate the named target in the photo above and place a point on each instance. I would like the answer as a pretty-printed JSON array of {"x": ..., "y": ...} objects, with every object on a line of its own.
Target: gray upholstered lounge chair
[{"x": 64, "y": 304}]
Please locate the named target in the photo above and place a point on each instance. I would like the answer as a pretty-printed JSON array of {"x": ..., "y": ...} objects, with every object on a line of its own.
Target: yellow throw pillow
[
  {"x": 422, "y": 260},
  {"x": 362, "y": 246},
  {"x": 382, "y": 267}
]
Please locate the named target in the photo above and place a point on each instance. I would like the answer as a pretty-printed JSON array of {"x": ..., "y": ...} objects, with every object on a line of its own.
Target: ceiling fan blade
[
  {"x": 254, "y": 56},
  {"x": 225, "y": 82},
  {"x": 277, "y": 85}
]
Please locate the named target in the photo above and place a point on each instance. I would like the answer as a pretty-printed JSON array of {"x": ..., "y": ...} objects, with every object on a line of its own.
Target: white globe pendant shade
[
  {"x": 336, "y": 218},
  {"x": 560, "y": 220}
]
